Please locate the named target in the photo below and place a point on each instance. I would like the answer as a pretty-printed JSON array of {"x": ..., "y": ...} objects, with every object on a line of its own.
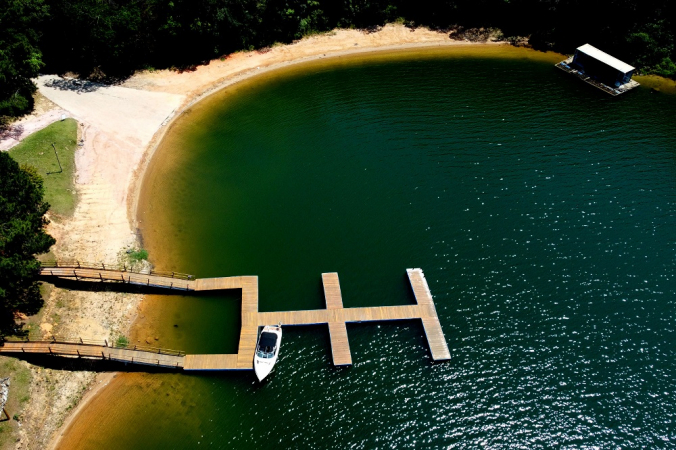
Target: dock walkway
[
  {"x": 335, "y": 316},
  {"x": 101, "y": 350},
  {"x": 118, "y": 274}
]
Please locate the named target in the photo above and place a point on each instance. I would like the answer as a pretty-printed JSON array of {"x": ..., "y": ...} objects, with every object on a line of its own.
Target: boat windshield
[{"x": 266, "y": 345}]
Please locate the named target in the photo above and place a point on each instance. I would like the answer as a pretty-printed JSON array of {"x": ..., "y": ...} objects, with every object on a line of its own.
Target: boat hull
[{"x": 264, "y": 365}]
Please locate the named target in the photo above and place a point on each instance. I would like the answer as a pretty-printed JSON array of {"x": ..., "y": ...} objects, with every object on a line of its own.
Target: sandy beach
[{"x": 121, "y": 127}]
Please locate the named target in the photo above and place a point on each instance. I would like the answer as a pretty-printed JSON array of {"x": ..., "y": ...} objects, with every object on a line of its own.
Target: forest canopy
[
  {"x": 112, "y": 38},
  {"x": 22, "y": 236}
]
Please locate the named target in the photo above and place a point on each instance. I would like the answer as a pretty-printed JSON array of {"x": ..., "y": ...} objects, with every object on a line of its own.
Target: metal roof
[{"x": 605, "y": 58}]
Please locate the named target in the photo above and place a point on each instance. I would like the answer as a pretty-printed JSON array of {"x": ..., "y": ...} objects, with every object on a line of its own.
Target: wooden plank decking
[
  {"x": 91, "y": 351},
  {"x": 118, "y": 276},
  {"x": 248, "y": 336},
  {"x": 334, "y": 299},
  {"x": 215, "y": 284},
  {"x": 433, "y": 331},
  {"x": 322, "y": 316},
  {"x": 210, "y": 362},
  {"x": 335, "y": 315},
  {"x": 340, "y": 346}
]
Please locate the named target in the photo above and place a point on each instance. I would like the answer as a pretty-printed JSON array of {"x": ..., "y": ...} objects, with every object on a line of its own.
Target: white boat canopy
[{"x": 605, "y": 58}]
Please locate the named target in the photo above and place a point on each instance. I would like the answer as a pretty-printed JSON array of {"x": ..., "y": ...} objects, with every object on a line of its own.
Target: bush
[
  {"x": 138, "y": 255},
  {"x": 666, "y": 68},
  {"x": 19, "y": 103},
  {"x": 121, "y": 341}
]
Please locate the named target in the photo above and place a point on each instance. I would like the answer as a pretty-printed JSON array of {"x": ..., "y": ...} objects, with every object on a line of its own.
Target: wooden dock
[
  {"x": 211, "y": 362},
  {"x": 433, "y": 331},
  {"x": 116, "y": 275},
  {"x": 335, "y": 316},
  {"x": 150, "y": 357},
  {"x": 340, "y": 345}
]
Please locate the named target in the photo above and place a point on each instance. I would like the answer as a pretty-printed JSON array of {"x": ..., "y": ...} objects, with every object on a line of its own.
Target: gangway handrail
[
  {"x": 113, "y": 267},
  {"x": 98, "y": 343}
]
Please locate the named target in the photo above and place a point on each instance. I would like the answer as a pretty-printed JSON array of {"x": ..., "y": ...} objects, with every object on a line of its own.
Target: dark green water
[{"x": 542, "y": 211}]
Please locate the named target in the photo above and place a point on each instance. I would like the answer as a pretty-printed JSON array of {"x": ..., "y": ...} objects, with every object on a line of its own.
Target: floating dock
[
  {"x": 334, "y": 315},
  {"x": 566, "y": 66}
]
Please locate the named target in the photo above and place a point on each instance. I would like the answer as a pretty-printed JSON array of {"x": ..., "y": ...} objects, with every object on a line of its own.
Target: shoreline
[
  {"x": 246, "y": 74},
  {"x": 192, "y": 88},
  {"x": 100, "y": 382},
  {"x": 98, "y": 168}
]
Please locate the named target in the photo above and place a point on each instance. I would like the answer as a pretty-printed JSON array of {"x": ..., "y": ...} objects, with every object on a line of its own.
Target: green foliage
[
  {"x": 98, "y": 38},
  {"x": 115, "y": 38},
  {"x": 651, "y": 45},
  {"x": 20, "y": 57},
  {"x": 121, "y": 341},
  {"x": 22, "y": 236},
  {"x": 137, "y": 256},
  {"x": 666, "y": 68},
  {"x": 111, "y": 39},
  {"x": 36, "y": 155}
]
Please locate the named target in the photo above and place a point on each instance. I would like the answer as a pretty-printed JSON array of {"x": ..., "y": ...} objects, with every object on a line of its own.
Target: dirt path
[
  {"x": 28, "y": 125},
  {"x": 121, "y": 126}
]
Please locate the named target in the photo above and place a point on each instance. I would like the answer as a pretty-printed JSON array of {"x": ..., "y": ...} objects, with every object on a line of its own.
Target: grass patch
[
  {"x": 37, "y": 151},
  {"x": 31, "y": 325},
  {"x": 121, "y": 341},
  {"x": 137, "y": 256},
  {"x": 19, "y": 394},
  {"x": 134, "y": 259}
]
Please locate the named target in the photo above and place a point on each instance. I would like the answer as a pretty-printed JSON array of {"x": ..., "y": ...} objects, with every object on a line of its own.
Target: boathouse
[
  {"x": 600, "y": 65},
  {"x": 600, "y": 69}
]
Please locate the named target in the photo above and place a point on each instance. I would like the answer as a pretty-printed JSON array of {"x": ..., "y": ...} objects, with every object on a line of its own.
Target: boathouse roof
[{"x": 605, "y": 58}]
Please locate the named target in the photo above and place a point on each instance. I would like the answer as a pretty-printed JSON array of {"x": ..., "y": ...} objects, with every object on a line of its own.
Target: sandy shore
[{"x": 121, "y": 127}]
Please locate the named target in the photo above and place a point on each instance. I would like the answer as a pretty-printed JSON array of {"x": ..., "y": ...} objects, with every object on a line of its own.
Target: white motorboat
[{"x": 267, "y": 350}]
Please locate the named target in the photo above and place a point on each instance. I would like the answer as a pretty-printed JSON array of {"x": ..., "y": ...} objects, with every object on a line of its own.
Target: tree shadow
[
  {"x": 75, "y": 85},
  {"x": 10, "y": 131}
]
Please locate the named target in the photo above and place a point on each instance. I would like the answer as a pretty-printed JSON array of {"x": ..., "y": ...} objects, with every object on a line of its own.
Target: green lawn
[
  {"x": 36, "y": 150},
  {"x": 19, "y": 394}
]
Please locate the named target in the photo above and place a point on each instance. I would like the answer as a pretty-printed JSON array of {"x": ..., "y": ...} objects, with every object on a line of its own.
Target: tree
[
  {"x": 96, "y": 38},
  {"x": 20, "y": 58},
  {"x": 22, "y": 236}
]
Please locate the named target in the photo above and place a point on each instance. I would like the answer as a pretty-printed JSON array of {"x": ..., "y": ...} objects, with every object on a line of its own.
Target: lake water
[{"x": 541, "y": 210}]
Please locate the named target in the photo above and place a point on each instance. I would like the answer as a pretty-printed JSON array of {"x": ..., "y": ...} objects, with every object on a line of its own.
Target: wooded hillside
[{"x": 112, "y": 38}]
